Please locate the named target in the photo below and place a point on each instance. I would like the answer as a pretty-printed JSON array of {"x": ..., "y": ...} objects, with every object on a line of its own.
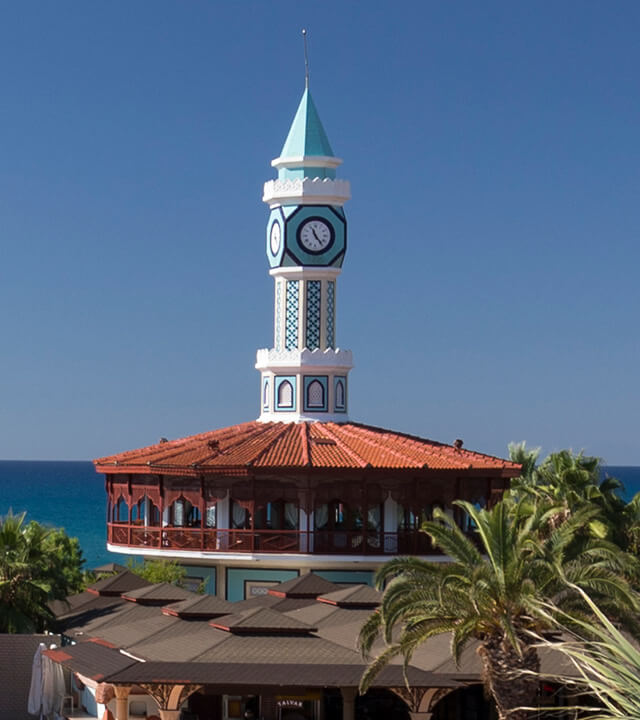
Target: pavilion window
[
  {"x": 240, "y": 517},
  {"x": 333, "y": 516},
  {"x": 184, "y": 514},
  {"x": 121, "y": 511},
  {"x": 277, "y": 515},
  {"x": 211, "y": 516}
]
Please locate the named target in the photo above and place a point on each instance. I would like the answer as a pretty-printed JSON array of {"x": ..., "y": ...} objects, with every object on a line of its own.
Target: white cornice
[
  {"x": 326, "y": 360},
  {"x": 306, "y": 191},
  {"x": 306, "y": 272},
  {"x": 298, "y": 161},
  {"x": 295, "y": 417}
]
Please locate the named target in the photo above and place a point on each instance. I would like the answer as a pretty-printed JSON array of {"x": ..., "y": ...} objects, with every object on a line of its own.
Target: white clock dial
[
  {"x": 275, "y": 237},
  {"x": 315, "y": 235}
]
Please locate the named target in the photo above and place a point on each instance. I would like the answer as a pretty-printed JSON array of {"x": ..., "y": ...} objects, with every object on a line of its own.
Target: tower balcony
[{"x": 306, "y": 191}]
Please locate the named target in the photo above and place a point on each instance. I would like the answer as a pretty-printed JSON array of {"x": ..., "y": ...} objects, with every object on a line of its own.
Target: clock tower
[{"x": 304, "y": 375}]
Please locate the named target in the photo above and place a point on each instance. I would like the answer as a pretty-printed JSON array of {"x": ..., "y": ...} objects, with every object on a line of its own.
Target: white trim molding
[{"x": 306, "y": 191}]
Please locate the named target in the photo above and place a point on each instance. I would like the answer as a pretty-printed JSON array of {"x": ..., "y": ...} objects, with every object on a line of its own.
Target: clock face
[
  {"x": 315, "y": 235},
  {"x": 275, "y": 238}
]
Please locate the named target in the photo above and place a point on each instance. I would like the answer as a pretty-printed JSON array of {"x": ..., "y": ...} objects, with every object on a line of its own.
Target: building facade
[{"x": 302, "y": 488}]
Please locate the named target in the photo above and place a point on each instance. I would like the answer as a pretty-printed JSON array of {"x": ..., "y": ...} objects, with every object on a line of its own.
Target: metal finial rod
[{"x": 306, "y": 59}]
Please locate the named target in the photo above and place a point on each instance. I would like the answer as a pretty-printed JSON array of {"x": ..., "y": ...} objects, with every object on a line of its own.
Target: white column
[
  {"x": 390, "y": 525},
  {"x": 304, "y": 525}
]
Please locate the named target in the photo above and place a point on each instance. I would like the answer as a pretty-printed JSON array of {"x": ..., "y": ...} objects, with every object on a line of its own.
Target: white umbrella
[
  {"x": 47, "y": 684},
  {"x": 34, "y": 705}
]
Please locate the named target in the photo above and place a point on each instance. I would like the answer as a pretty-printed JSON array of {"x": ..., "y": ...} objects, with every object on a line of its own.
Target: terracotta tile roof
[{"x": 319, "y": 445}]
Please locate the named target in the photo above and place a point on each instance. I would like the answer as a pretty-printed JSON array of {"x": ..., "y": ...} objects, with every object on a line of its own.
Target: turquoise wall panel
[
  {"x": 347, "y": 576},
  {"x": 208, "y": 575},
  {"x": 237, "y": 577}
]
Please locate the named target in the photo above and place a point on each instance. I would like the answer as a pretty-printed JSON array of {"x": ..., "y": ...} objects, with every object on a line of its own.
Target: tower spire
[
  {"x": 306, "y": 59},
  {"x": 304, "y": 375}
]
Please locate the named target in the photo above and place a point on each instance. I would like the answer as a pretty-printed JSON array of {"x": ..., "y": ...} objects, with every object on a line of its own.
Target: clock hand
[{"x": 315, "y": 234}]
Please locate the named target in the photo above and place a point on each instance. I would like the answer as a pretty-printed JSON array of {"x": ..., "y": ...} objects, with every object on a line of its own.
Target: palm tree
[
  {"x": 490, "y": 592},
  {"x": 37, "y": 564}
]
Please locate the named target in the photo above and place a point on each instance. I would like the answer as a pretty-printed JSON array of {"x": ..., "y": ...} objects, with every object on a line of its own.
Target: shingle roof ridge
[
  {"x": 435, "y": 443},
  {"x": 407, "y": 460},
  {"x": 245, "y": 619},
  {"x": 341, "y": 444},
  {"x": 277, "y": 437}
]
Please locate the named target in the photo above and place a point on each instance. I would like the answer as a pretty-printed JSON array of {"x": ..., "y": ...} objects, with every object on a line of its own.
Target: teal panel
[
  {"x": 237, "y": 577},
  {"x": 306, "y": 136},
  {"x": 306, "y": 172},
  {"x": 206, "y": 573},
  {"x": 314, "y": 296},
  {"x": 347, "y": 576},
  {"x": 333, "y": 253}
]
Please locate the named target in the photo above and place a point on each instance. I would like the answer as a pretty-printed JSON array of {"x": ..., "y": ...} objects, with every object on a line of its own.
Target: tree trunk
[{"x": 507, "y": 677}]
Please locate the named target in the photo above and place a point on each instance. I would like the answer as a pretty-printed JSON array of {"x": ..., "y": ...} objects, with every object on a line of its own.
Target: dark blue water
[{"x": 72, "y": 495}]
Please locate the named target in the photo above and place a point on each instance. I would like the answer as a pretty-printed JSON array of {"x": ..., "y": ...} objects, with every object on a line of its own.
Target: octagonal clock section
[{"x": 306, "y": 235}]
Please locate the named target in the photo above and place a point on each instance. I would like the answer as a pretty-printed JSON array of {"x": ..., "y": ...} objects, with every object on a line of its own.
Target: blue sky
[{"x": 490, "y": 291}]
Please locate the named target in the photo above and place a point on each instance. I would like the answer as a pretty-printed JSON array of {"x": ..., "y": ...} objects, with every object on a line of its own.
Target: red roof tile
[{"x": 255, "y": 445}]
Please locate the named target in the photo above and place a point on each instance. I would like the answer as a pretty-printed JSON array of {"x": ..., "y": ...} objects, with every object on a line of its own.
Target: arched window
[
  {"x": 144, "y": 512},
  {"x": 277, "y": 515},
  {"x": 285, "y": 395},
  {"x": 315, "y": 395},
  {"x": 265, "y": 394},
  {"x": 182, "y": 513},
  {"x": 121, "y": 510},
  {"x": 340, "y": 394}
]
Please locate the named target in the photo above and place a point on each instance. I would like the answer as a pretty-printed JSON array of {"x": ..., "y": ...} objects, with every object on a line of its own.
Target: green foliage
[
  {"x": 491, "y": 592},
  {"x": 159, "y": 571},
  {"x": 607, "y": 663},
  {"x": 37, "y": 564}
]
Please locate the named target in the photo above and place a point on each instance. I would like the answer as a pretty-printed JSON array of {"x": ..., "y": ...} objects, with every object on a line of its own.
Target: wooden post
[{"x": 348, "y": 703}]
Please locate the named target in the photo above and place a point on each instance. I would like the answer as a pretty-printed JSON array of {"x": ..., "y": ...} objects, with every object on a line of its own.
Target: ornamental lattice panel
[
  {"x": 291, "y": 323},
  {"x": 331, "y": 311},
  {"x": 312, "y": 340}
]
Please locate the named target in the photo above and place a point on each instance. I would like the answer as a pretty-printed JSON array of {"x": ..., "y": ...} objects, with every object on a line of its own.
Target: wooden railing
[{"x": 319, "y": 542}]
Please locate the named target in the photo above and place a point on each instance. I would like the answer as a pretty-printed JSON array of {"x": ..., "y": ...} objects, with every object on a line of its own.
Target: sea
[{"x": 72, "y": 495}]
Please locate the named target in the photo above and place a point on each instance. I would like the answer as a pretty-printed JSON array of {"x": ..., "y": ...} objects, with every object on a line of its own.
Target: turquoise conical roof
[{"x": 306, "y": 136}]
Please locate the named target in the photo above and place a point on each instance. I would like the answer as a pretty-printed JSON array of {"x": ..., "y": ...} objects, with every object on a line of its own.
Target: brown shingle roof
[
  {"x": 301, "y": 445},
  {"x": 202, "y": 606},
  {"x": 16, "y": 659},
  {"x": 308, "y": 585},
  {"x": 124, "y": 581},
  {"x": 94, "y": 660},
  {"x": 275, "y": 674},
  {"x": 355, "y": 596},
  {"x": 260, "y": 620},
  {"x": 159, "y": 594}
]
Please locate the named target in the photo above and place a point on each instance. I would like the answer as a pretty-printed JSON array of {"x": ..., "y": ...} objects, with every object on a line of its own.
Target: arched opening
[
  {"x": 339, "y": 395},
  {"x": 278, "y": 522},
  {"x": 120, "y": 511},
  {"x": 265, "y": 394},
  {"x": 240, "y": 517},
  {"x": 144, "y": 512},
  {"x": 285, "y": 394},
  {"x": 315, "y": 395}
]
